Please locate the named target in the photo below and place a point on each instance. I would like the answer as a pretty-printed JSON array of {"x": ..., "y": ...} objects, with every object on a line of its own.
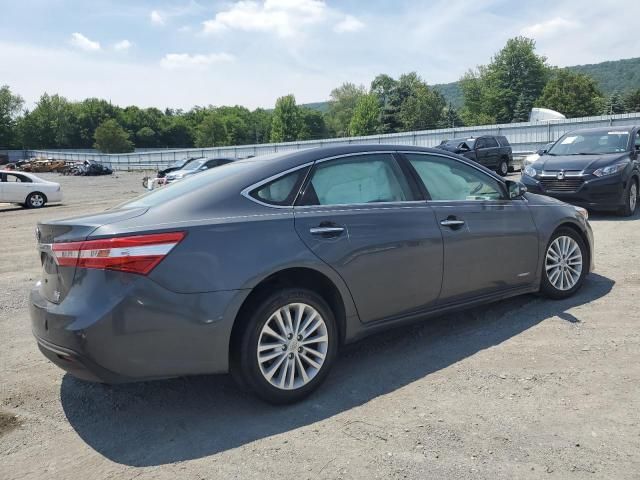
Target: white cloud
[
  {"x": 157, "y": 18},
  {"x": 78, "y": 40},
  {"x": 282, "y": 17},
  {"x": 122, "y": 45},
  {"x": 186, "y": 60},
  {"x": 549, "y": 28},
  {"x": 348, "y": 24}
]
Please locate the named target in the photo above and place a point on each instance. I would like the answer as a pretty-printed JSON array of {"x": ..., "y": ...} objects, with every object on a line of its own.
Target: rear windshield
[
  {"x": 210, "y": 178},
  {"x": 591, "y": 143}
]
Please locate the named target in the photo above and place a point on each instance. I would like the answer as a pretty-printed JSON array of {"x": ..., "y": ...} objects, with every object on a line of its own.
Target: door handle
[
  {"x": 326, "y": 231},
  {"x": 450, "y": 222}
]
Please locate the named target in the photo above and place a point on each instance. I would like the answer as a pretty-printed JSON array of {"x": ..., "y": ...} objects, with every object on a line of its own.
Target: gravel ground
[{"x": 525, "y": 388}]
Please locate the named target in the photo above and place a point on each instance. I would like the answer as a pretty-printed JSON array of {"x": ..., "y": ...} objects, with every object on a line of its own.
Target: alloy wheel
[
  {"x": 633, "y": 197},
  {"x": 292, "y": 346},
  {"x": 564, "y": 263},
  {"x": 36, "y": 200}
]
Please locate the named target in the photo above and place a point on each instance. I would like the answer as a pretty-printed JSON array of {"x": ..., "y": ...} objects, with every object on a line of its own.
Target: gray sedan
[{"x": 265, "y": 267}]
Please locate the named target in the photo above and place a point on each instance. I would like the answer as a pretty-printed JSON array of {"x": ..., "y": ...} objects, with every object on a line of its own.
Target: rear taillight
[{"x": 136, "y": 254}]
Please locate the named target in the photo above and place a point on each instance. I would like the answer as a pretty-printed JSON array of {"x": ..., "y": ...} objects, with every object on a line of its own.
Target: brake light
[{"x": 135, "y": 254}]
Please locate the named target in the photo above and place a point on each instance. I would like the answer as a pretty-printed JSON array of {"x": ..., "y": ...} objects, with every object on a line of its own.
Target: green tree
[
  {"x": 342, "y": 103},
  {"x": 211, "y": 131},
  {"x": 110, "y": 137},
  {"x": 177, "y": 133},
  {"x": 572, "y": 94},
  {"x": 312, "y": 125},
  {"x": 614, "y": 104},
  {"x": 632, "y": 101},
  {"x": 51, "y": 124},
  {"x": 386, "y": 89},
  {"x": 10, "y": 108},
  {"x": 90, "y": 113},
  {"x": 285, "y": 124},
  {"x": 146, "y": 138},
  {"x": 366, "y": 116},
  {"x": 450, "y": 117},
  {"x": 516, "y": 73},
  {"x": 260, "y": 126},
  {"x": 421, "y": 108}
]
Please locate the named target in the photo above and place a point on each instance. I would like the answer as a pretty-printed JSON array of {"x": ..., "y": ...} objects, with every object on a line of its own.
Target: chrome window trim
[{"x": 465, "y": 163}]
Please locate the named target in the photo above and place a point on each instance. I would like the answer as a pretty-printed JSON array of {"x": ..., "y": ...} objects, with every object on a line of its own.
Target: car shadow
[{"x": 155, "y": 423}]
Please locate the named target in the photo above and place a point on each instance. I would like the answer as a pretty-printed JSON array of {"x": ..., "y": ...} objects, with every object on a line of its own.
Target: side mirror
[
  {"x": 542, "y": 151},
  {"x": 516, "y": 189}
]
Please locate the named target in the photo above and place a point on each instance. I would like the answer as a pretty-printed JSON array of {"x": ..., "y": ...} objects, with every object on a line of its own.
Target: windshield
[
  {"x": 210, "y": 178},
  {"x": 459, "y": 142},
  {"x": 194, "y": 165},
  {"x": 591, "y": 143}
]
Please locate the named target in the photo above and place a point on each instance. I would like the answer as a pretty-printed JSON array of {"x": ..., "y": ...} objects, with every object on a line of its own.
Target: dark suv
[
  {"x": 596, "y": 168},
  {"x": 493, "y": 152}
]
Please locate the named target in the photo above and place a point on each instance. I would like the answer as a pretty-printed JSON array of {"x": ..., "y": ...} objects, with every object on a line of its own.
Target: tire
[
  {"x": 562, "y": 275},
  {"x": 35, "y": 200},
  {"x": 285, "y": 358},
  {"x": 503, "y": 167},
  {"x": 630, "y": 198}
]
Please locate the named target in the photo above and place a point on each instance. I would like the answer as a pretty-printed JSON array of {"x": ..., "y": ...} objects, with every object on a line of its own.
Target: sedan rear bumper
[{"x": 132, "y": 329}]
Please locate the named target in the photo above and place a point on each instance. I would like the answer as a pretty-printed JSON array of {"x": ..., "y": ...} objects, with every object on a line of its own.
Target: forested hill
[{"x": 613, "y": 76}]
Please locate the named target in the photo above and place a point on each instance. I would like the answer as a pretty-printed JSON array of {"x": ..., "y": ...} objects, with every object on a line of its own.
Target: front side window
[
  {"x": 355, "y": 180},
  {"x": 481, "y": 143},
  {"x": 448, "y": 179}
]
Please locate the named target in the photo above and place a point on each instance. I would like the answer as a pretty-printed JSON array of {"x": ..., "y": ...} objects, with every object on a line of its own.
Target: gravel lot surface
[{"x": 525, "y": 388}]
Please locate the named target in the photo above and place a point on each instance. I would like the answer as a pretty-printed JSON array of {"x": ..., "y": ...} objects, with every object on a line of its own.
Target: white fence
[{"x": 524, "y": 137}]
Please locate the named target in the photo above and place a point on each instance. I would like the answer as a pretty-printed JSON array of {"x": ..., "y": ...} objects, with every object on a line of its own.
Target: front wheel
[
  {"x": 630, "y": 199},
  {"x": 288, "y": 346},
  {"x": 565, "y": 264},
  {"x": 35, "y": 200}
]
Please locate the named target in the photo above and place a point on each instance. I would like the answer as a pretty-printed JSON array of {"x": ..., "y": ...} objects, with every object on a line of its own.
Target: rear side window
[
  {"x": 281, "y": 191},
  {"x": 356, "y": 180},
  {"x": 503, "y": 141},
  {"x": 491, "y": 142}
]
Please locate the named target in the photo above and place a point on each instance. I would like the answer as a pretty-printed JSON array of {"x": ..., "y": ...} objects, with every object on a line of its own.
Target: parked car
[
  {"x": 196, "y": 166},
  {"x": 264, "y": 267},
  {"x": 530, "y": 159},
  {"x": 27, "y": 190},
  {"x": 596, "y": 168},
  {"x": 177, "y": 165},
  {"x": 493, "y": 152}
]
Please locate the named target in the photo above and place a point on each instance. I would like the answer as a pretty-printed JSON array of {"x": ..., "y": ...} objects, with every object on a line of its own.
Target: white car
[{"x": 27, "y": 189}]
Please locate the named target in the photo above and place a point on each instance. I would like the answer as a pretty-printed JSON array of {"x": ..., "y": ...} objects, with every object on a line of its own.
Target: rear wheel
[
  {"x": 503, "y": 167},
  {"x": 288, "y": 346},
  {"x": 630, "y": 199},
  {"x": 35, "y": 200},
  {"x": 565, "y": 264}
]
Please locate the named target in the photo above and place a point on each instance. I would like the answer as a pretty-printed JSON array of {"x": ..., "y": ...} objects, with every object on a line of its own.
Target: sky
[{"x": 181, "y": 53}]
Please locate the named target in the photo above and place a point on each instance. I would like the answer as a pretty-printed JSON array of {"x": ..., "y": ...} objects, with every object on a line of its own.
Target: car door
[
  {"x": 16, "y": 188},
  {"x": 490, "y": 241},
  {"x": 491, "y": 153},
  {"x": 360, "y": 214}
]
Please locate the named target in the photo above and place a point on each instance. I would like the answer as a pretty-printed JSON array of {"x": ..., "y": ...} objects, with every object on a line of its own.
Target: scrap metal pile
[{"x": 86, "y": 168}]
